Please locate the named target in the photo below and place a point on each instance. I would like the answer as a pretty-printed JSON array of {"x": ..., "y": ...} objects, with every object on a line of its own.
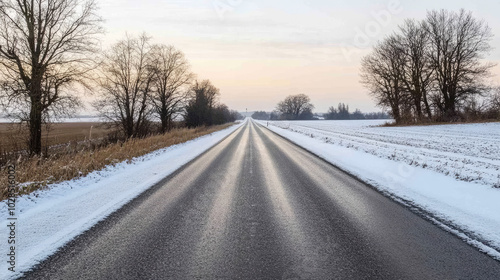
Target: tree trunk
[
  {"x": 129, "y": 127},
  {"x": 427, "y": 107},
  {"x": 164, "y": 124},
  {"x": 35, "y": 128},
  {"x": 450, "y": 112},
  {"x": 35, "y": 118},
  {"x": 396, "y": 113},
  {"x": 418, "y": 106},
  {"x": 164, "y": 119}
]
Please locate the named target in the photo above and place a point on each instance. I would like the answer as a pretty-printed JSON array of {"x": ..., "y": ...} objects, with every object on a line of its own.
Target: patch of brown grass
[
  {"x": 14, "y": 137},
  {"x": 36, "y": 172}
]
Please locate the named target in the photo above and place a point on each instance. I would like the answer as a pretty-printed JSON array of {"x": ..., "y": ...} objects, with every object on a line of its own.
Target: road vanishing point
[{"x": 256, "y": 206}]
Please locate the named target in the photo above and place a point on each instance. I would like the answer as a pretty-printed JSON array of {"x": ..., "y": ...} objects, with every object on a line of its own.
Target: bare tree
[
  {"x": 45, "y": 46},
  {"x": 416, "y": 70},
  {"x": 458, "y": 43},
  {"x": 294, "y": 106},
  {"x": 171, "y": 74},
  {"x": 126, "y": 85},
  {"x": 381, "y": 73}
]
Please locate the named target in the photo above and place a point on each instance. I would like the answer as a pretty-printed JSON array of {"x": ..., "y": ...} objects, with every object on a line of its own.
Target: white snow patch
[
  {"x": 447, "y": 171},
  {"x": 46, "y": 220}
]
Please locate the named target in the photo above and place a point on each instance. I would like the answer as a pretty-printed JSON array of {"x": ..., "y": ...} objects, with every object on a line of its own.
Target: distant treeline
[
  {"x": 339, "y": 113},
  {"x": 342, "y": 113},
  {"x": 261, "y": 115}
]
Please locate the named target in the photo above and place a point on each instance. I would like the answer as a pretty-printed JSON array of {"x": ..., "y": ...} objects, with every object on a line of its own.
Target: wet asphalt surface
[{"x": 258, "y": 207}]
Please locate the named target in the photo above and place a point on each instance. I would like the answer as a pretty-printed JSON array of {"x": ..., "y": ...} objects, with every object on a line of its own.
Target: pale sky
[{"x": 258, "y": 52}]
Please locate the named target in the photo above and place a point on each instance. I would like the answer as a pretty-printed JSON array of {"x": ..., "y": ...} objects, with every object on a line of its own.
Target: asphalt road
[{"x": 258, "y": 207}]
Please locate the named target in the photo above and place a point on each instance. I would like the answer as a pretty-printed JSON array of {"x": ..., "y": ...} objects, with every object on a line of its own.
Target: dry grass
[
  {"x": 13, "y": 137},
  {"x": 36, "y": 173}
]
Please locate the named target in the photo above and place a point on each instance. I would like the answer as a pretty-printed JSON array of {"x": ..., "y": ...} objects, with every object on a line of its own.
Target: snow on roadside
[
  {"x": 67, "y": 209},
  {"x": 471, "y": 210}
]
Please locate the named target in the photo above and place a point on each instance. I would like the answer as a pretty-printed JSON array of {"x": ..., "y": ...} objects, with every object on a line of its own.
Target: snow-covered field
[
  {"x": 450, "y": 172},
  {"x": 467, "y": 152},
  {"x": 67, "y": 209}
]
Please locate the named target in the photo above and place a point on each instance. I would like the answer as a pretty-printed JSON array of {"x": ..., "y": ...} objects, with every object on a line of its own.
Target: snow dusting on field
[
  {"x": 466, "y": 152},
  {"x": 448, "y": 173}
]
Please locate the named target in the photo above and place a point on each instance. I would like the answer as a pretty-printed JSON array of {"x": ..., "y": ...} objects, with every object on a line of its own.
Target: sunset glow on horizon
[{"x": 258, "y": 52}]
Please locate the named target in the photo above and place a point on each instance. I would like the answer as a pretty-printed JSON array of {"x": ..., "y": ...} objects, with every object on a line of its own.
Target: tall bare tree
[
  {"x": 45, "y": 46},
  {"x": 458, "y": 44},
  {"x": 381, "y": 73},
  {"x": 416, "y": 70},
  {"x": 126, "y": 85},
  {"x": 172, "y": 75}
]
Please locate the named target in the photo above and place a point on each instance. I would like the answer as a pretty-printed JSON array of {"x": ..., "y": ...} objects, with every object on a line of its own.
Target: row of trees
[
  {"x": 299, "y": 107},
  {"x": 342, "y": 113},
  {"x": 50, "y": 49},
  {"x": 142, "y": 82},
  {"x": 138, "y": 79},
  {"x": 430, "y": 69}
]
